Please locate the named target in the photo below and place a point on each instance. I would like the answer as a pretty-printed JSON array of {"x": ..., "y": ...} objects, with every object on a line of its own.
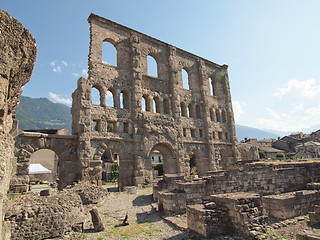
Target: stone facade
[
  {"x": 151, "y": 112},
  {"x": 17, "y": 56}
]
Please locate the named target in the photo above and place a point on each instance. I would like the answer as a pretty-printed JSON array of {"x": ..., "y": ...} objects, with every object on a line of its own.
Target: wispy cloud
[
  {"x": 57, "y": 69},
  {"x": 306, "y": 89},
  {"x": 75, "y": 74},
  {"x": 59, "y": 99},
  {"x": 84, "y": 72},
  {"x": 64, "y": 63},
  {"x": 238, "y": 109},
  {"x": 57, "y": 65}
]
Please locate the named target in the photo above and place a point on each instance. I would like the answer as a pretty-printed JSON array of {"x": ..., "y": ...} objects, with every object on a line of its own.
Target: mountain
[
  {"x": 249, "y": 132},
  {"x": 40, "y": 113}
]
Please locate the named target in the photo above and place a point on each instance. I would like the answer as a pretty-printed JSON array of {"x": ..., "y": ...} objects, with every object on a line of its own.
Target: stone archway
[
  {"x": 169, "y": 160},
  {"x": 27, "y": 143},
  {"x": 48, "y": 159}
]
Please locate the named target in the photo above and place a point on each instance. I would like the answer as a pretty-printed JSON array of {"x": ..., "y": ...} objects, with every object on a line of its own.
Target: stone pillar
[
  {"x": 205, "y": 93},
  {"x": 230, "y": 118},
  {"x": 136, "y": 80}
]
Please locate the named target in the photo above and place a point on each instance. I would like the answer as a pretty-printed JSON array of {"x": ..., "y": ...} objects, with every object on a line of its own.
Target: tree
[
  {"x": 280, "y": 155},
  {"x": 262, "y": 154}
]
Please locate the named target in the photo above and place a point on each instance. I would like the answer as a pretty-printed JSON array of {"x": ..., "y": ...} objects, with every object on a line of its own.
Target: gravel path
[{"x": 144, "y": 223}]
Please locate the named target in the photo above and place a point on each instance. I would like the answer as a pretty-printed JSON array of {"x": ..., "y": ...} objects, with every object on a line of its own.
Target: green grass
[
  {"x": 12, "y": 196},
  {"x": 133, "y": 229}
]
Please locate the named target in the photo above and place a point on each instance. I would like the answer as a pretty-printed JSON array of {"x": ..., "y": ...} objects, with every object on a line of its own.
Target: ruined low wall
[
  {"x": 226, "y": 214},
  {"x": 289, "y": 205},
  {"x": 265, "y": 179},
  {"x": 40, "y": 217}
]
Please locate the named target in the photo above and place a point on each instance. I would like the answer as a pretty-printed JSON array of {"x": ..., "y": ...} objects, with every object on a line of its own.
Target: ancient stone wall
[
  {"x": 264, "y": 179},
  {"x": 17, "y": 57},
  {"x": 291, "y": 204},
  {"x": 40, "y": 217},
  {"x": 28, "y": 143},
  {"x": 151, "y": 112}
]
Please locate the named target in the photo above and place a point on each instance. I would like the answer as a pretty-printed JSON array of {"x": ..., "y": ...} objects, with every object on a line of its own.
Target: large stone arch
[
  {"x": 126, "y": 163},
  {"x": 28, "y": 143},
  {"x": 170, "y": 161}
]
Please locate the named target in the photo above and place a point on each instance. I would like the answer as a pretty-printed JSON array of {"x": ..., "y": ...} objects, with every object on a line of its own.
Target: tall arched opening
[
  {"x": 163, "y": 159},
  {"x": 110, "y": 167},
  {"x": 44, "y": 167}
]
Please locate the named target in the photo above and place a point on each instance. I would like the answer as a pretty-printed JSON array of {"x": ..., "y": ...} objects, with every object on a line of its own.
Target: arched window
[
  {"x": 185, "y": 79},
  {"x": 110, "y": 100},
  {"x": 109, "y": 53},
  {"x": 218, "y": 115},
  {"x": 212, "y": 115},
  {"x": 95, "y": 96},
  {"x": 211, "y": 84},
  {"x": 166, "y": 106},
  {"x": 198, "y": 111},
  {"x": 144, "y": 103},
  {"x": 190, "y": 110},
  {"x": 152, "y": 66},
  {"x": 223, "y": 115},
  {"x": 184, "y": 110},
  {"x": 124, "y": 100},
  {"x": 156, "y": 105}
]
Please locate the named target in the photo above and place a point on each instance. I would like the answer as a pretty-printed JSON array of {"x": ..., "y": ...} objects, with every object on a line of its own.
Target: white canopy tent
[{"x": 37, "y": 168}]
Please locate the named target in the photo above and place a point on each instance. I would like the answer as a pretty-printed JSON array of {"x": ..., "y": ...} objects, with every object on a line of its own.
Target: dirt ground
[{"x": 145, "y": 223}]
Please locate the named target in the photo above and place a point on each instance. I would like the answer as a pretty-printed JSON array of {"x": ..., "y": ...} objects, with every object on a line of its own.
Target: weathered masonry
[
  {"x": 183, "y": 109},
  {"x": 149, "y": 113}
]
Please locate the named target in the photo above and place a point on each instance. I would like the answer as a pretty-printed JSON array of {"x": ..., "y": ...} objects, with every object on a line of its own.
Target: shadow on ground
[{"x": 142, "y": 200}]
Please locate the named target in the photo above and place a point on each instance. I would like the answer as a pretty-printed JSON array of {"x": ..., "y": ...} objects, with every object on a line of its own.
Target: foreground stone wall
[
  {"x": 33, "y": 216},
  {"x": 40, "y": 217},
  {"x": 264, "y": 179},
  {"x": 150, "y": 113},
  {"x": 17, "y": 57}
]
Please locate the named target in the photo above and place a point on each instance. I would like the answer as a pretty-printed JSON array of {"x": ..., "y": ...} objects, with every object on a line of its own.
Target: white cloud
[
  {"x": 64, "y": 63},
  {"x": 306, "y": 89},
  {"x": 59, "y": 99},
  {"x": 238, "y": 109},
  {"x": 57, "y": 69},
  {"x": 52, "y": 64},
  {"x": 273, "y": 114},
  {"x": 295, "y": 107},
  {"x": 75, "y": 74},
  {"x": 84, "y": 72}
]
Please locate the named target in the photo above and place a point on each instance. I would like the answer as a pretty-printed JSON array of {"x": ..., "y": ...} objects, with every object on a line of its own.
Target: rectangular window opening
[
  {"x": 193, "y": 133},
  {"x": 200, "y": 133},
  {"x": 95, "y": 126},
  {"x": 111, "y": 127},
  {"x": 220, "y": 135},
  {"x": 184, "y": 132},
  {"x": 126, "y": 127}
]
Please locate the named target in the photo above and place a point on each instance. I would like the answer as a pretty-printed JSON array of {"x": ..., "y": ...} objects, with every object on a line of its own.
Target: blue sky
[{"x": 272, "y": 48}]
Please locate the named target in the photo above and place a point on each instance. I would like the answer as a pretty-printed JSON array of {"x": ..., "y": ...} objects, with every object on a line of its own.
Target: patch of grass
[
  {"x": 79, "y": 236},
  {"x": 133, "y": 229},
  {"x": 271, "y": 235},
  {"x": 12, "y": 196}
]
